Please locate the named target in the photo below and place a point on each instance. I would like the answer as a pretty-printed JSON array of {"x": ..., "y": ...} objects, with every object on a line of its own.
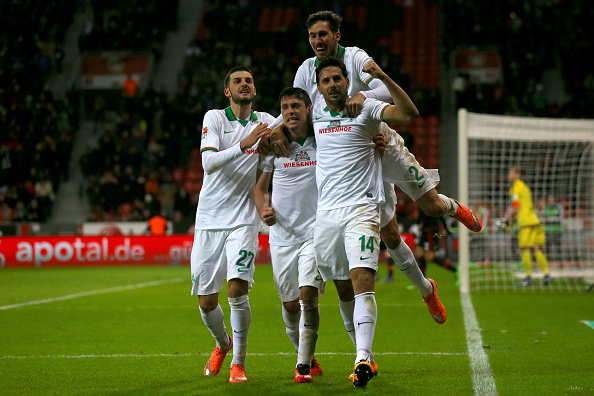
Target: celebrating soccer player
[
  {"x": 226, "y": 230},
  {"x": 290, "y": 213},
  {"x": 350, "y": 190}
]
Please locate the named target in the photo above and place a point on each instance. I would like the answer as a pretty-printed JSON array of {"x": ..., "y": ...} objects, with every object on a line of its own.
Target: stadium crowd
[
  {"x": 149, "y": 160},
  {"x": 37, "y": 127},
  {"x": 533, "y": 38}
]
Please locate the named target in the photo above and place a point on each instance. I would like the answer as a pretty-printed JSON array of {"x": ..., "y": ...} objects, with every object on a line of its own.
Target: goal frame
[{"x": 498, "y": 127}]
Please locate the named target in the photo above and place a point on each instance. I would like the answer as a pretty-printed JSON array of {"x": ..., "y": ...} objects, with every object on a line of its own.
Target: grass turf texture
[{"x": 151, "y": 340}]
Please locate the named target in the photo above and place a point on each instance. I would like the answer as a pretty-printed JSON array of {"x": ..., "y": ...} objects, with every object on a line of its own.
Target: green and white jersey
[
  {"x": 294, "y": 193},
  {"x": 349, "y": 171},
  {"x": 354, "y": 59},
  {"x": 227, "y": 197}
]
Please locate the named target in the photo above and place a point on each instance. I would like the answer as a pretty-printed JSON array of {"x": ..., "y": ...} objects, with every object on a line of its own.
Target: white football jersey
[
  {"x": 349, "y": 170},
  {"x": 294, "y": 193},
  {"x": 227, "y": 195},
  {"x": 354, "y": 59}
]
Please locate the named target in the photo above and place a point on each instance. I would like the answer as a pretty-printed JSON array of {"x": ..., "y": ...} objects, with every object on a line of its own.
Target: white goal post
[{"x": 556, "y": 157}]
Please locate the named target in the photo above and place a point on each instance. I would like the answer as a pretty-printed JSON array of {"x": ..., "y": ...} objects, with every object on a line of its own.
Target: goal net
[{"x": 556, "y": 160}]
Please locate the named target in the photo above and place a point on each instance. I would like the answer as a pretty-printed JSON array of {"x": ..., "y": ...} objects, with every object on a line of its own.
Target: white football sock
[
  {"x": 346, "y": 310},
  {"x": 308, "y": 336},
  {"x": 241, "y": 316},
  {"x": 405, "y": 260},
  {"x": 215, "y": 322},
  {"x": 292, "y": 326},
  {"x": 451, "y": 205},
  {"x": 365, "y": 318}
]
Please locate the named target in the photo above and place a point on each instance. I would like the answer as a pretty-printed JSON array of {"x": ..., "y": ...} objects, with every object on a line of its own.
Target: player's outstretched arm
[
  {"x": 403, "y": 109},
  {"x": 262, "y": 199}
]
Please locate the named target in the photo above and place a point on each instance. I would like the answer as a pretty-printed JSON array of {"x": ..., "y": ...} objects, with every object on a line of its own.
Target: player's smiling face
[
  {"x": 322, "y": 40},
  {"x": 333, "y": 85},
  {"x": 295, "y": 114},
  {"x": 241, "y": 87}
]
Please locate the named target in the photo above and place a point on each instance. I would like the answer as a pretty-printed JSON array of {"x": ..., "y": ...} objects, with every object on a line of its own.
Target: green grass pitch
[{"x": 137, "y": 331}]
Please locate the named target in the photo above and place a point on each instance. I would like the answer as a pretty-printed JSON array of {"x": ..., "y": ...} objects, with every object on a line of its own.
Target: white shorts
[
  {"x": 346, "y": 238},
  {"x": 295, "y": 266},
  {"x": 220, "y": 254},
  {"x": 387, "y": 210},
  {"x": 401, "y": 167}
]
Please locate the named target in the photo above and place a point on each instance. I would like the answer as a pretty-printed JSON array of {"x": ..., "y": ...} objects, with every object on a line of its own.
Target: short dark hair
[
  {"x": 333, "y": 20},
  {"x": 295, "y": 92},
  {"x": 329, "y": 62},
  {"x": 233, "y": 70}
]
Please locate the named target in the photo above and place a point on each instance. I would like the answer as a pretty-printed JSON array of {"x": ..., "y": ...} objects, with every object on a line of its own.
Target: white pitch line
[
  {"x": 482, "y": 377},
  {"x": 92, "y": 293},
  {"x": 132, "y": 355}
]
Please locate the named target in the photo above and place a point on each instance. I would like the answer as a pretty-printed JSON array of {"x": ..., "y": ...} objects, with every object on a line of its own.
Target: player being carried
[{"x": 226, "y": 230}]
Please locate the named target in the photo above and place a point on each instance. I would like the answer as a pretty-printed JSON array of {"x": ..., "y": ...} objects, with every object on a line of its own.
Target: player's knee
[
  {"x": 292, "y": 307},
  {"x": 208, "y": 304},
  {"x": 237, "y": 288},
  {"x": 363, "y": 280},
  {"x": 307, "y": 293}
]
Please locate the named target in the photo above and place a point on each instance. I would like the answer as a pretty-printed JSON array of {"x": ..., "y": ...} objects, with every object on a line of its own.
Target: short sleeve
[
  {"x": 360, "y": 58},
  {"x": 210, "y": 132},
  {"x": 376, "y": 108}
]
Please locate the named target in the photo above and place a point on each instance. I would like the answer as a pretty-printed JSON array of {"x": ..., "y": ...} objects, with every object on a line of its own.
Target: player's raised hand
[
  {"x": 261, "y": 131},
  {"x": 353, "y": 105},
  {"x": 374, "y": 70},
  {"x": 268, "y": 216},
  {"x": 279, "y": 141}
]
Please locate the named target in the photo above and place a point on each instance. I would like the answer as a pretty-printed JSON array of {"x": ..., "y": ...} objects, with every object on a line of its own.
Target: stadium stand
[
  {"x": 36, "y": 126},
  {"x": 147, "y": 158}
]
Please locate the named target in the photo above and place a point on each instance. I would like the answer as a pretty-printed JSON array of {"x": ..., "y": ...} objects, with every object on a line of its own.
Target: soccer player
[
  {"x": 226, "y": 230},
  {"x": 290, "y": 212},
  {"x": 348, "y": 176},
  {"x": 399, "y": 166},
  {"x": 531, "y": 235}
]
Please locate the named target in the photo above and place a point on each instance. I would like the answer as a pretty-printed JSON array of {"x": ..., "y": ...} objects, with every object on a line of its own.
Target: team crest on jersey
[
  {"x": 204, "y": 132},
  {"x": 302, "y": 156},
  {"x": 334, "y": 124}
]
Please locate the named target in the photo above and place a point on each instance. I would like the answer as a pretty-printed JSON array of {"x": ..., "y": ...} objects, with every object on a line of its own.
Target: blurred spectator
[
  {"x": 130, "y": 90},
  {"x": 157, "y": 224},
  {"x": 45, "y": 195},
  {"x": 6, "y": 213}
]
